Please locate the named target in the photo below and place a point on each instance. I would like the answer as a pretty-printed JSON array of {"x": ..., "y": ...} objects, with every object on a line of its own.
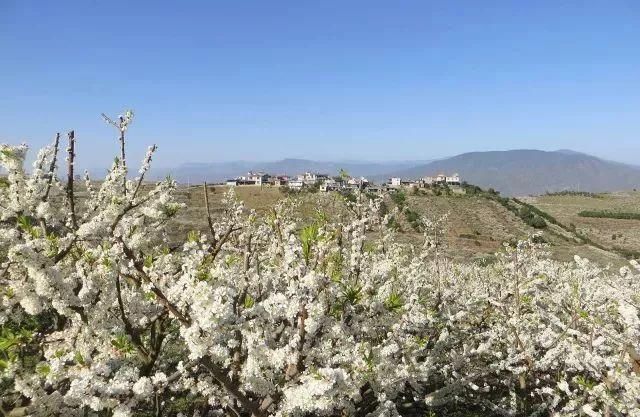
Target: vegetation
[
  {"x": 574, "y": 194},
  {"x": 264, "y": 314},
  {"x": 399, "y": 198},
  {"x": 609, "y": 214}
]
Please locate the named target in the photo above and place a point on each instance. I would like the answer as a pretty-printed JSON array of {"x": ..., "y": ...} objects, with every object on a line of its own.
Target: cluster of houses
[
  {"x": 328, "y": 183},
  {"x": 298, "y": 182},
  {"x": 440, "y": 179}
]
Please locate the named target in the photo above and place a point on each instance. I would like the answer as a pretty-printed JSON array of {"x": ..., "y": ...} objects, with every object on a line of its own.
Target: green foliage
[
  {"x": 470, "y": 189},
  {"x": 8, "y": 153},
  {"x": 43, "y": 369},
  {"x": 26, "y": 225},
  {"x": 349, "y": 196},
  {"x": 394, "y": 302},
  {"x": 399, "y": 198},
  {"x": 336, "y": 264},
  {"x": 170, "y": 210},
  {"x": 18, "y": 341},
  {"x": 193, "y": 236},
  {"x": 78, "y": 358},
  {"x": 122, "y": 344},
  {"x": 352, "y": 294},
  {"x": 202, "y": 274},
  {"x": 384, "y": 209},
  {"x": 308, "y": 237},
  {"x": 248, "y": 301},
  {"x": 574, "y": 193},
  {"x": 543, "y": 214},
  {"x": 537, "y": 222},
  {"x": 11, "y": 342},
  {"x": 231, "y": 260},
  {"x": 606, "y": 214},
  {"x": 413, "y": 218}
]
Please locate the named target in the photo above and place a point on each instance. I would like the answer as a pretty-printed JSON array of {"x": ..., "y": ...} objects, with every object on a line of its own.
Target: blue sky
[{"x": 330, "y": 80}]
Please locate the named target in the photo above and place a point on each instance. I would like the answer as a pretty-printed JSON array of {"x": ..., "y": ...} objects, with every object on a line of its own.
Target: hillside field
[{"x": 476, "y": 226}]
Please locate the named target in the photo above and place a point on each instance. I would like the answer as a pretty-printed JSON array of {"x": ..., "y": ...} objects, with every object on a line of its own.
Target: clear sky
[{"x": 330, "y": 80}]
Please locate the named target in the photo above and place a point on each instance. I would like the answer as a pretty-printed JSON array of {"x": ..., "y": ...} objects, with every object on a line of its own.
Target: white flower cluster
[{"x": 262, "y": 315}]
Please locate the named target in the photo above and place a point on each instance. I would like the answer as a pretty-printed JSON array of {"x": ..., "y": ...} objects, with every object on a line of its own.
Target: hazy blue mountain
[
  {"x": 524, "y": 172},
  {"x": 220, "y": 171}
]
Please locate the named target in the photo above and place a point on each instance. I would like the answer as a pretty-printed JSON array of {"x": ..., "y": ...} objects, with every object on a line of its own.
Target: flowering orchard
[{"x": 102, "y": 315}]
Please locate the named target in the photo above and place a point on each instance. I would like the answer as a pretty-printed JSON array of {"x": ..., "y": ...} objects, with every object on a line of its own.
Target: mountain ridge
[
  {"x": 512, "y": 172},
  {"x": 532, "y": 171}
]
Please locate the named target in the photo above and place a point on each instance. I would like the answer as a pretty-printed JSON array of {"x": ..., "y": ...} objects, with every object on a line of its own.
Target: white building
[
  {"x": 395, "y": 182},
  {"x": 454, "y": 179},
  {"x": 296, "y": 184},
  {"x": 329, "y": 185},
  {"x": 257, "y": 178},
  {"x": 312, "y": 177},
  {"x": 358, "y": 181}
]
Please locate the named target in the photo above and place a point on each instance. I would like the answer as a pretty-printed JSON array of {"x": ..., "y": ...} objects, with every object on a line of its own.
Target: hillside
[
  {"x": 531, "y": 172},
  {"x": 476, "y": 227},
  {"x": 621, "y": 234}
]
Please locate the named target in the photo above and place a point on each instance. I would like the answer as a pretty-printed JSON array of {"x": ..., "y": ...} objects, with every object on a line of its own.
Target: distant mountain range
[
  {"x": 515, "y": 172},
  {"x": 221, "y": 171},
  {"x": 525, "y": 172}
]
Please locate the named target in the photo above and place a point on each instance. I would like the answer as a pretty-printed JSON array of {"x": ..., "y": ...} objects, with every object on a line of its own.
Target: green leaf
[
  {"x": 43, "y": 369},
  {"x": 249, "y": 301},
  {"x": 394, "y": 302},
  {"x": 352, "y": 294},
  {"x": 122, "y": 344},
  {"x": 193, "y": 236},
  {"x": 308, "y": 236}
]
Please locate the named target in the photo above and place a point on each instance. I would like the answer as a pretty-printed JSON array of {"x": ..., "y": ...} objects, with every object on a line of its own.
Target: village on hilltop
[{"x": 326, "y": 183}]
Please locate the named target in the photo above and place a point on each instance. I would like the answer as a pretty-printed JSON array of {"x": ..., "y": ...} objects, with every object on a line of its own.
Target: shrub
[
  {"x": 530, "y": 218},
  {"x": 609, "y": 214},
  {"x": 574, "y": 193},
  {"x": 102, "y": 315},
  {"x": 399, "y": 198}
]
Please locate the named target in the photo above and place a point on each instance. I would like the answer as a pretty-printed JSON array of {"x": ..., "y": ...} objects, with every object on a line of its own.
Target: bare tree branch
[
  {"x": 70, "y": 195},
  {"x": 52, "y": 167}
]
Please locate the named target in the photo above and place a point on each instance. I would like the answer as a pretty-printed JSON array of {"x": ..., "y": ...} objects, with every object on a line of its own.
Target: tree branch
[
  {"x": 70, "y": 195},
  {"x": 246, "y": 403},
  {"x": 52, "y": 167},
  {"x": 156, "y": 291},
  {"x": 133, "y": 333}
]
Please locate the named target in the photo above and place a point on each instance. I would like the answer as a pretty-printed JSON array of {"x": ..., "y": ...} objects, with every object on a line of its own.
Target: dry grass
[
  {"x": 607, "y": 232},
  {"x": 476, "y": 227}
]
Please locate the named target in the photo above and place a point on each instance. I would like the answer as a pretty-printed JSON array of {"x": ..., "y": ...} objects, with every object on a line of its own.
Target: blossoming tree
[{"x": 103, "y": 315}]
